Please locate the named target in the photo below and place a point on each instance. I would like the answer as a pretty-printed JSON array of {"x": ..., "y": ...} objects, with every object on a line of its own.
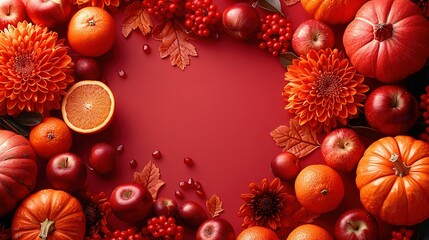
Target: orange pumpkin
[
  {"x": 393, "y": 179},
  {"x": 332, "y": 11},
  {"x": 49, "y": 214}
]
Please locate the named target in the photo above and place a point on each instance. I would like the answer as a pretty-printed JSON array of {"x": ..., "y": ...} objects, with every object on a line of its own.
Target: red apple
[
  {"x": 49, "y": 13},
  {"x": 11, "y": 12},
  {"x": 215, "y": 229},
  {"x": 391, "y": 109},
  {"x": 102, "y": 157},
  {"x": 165, "y": 206},
  {"x": 87, "y": 68},
  {"x": 131, "y": 202},
  {"x": 192, "y": 213},
  {"x": 285, "y": 166},
  {"x": 342, "y": 149},
  {"x": 241, "y": 21},
  {"x": 67, "y": 172},
  {"x": 356, "y": 224},
  {"x": 312, "y": 34}
]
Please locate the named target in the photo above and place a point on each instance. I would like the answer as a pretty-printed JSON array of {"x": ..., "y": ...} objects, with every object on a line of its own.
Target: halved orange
[{"x": 88, "y": 106}]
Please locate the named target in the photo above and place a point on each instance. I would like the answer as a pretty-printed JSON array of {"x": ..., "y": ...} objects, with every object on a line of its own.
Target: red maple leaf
[
  {"x": 136, "y": 18},
  {"x": 150, "y": 177}
]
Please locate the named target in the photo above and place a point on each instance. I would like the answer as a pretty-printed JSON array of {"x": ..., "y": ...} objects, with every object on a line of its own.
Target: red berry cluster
[
  {"x": 163, "y": 9},
  {"x": 128, "y": 234},
  {"x": 424, "y": 106},
  {"x": 164, "y": 228},
  {"x": 275, "y": 34},
  {"x": 201, "y": 16},
  {"x": 402, "y": 234}
]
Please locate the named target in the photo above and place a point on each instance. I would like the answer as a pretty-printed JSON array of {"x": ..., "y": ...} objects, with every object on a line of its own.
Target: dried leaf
[
  {"x": 137, "y": 17},
  {"x": 291, "y": 2},
  {"x": 150, "y": 177},
  {"x": 214, "y": 206},
  {"x": 174, "y": 44},
  {"x": 287, "y": 58},
  {"x": 296, "y": 139},
  {"x": 368, "y": 132},
  {"x": 270, "y": 5},
  {"x": 303, "y": 216}
]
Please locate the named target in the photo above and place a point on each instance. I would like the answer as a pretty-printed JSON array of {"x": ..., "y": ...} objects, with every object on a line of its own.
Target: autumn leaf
[
  {"x": 303, "y": 216},
  {"x": 150, "y": 177},
  {"x": 295, "y": 139},
  {"x": 291, "y": 2},
  {"x": 175, "y": 43},
  {"x": 214, "y": 206},
  {"x": 270, "y": 5},
  {"x": 136, "y": 18}
]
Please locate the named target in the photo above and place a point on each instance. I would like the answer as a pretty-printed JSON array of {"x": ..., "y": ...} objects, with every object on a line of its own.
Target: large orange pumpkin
[
  {"x": 18, "y": 170},
  {"x": 49, "y": 214},
  {"x": 393, "y": 179},
  {"x": 387, "y": 40},
  {"x": 332, "y": 11}
]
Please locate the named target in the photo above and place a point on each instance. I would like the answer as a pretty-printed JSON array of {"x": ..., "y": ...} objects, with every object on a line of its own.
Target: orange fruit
[
  {"x": 50, "y": 137},
  {"x": 88, "y": 106},
  {"x": 257, "y": 233},
  {"x": 332, "y": 11},
  {"x": 91, "y": 31},
  {"x": 319, "y": 188},
  {"x": 309, "y": 232}
]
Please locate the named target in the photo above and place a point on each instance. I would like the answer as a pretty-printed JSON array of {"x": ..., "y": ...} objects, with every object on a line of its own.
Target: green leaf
[
  {"x": 287, "y": 58},
  {"x": 29, "y": 118},
  {"x": 9, "y": 123},
  {"x": 270, "y": 5}
]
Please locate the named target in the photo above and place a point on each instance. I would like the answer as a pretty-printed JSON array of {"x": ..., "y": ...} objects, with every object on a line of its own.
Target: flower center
[
  {"x": 266, "y": 205},
  {"x": 92, "y": 214},
  {"x": 23, "y": 66},
  {"x": 328, "y": 85}
]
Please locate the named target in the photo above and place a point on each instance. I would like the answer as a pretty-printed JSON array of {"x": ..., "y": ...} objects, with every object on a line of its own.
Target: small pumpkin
[
  {"x": 18, "y": 170},
  {"x": 49, "y": 214},
  {"x": 387, "y": 40},
  {"x": 393, "y": 180},
  {"x": 332, "y": 11}
]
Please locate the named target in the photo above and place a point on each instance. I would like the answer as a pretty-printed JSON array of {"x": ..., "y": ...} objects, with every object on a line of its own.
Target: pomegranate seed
[
  {"x": 179, "y": 194},
  {"x": 191, "y": 182},
  {"x": 156, "y": 154},
  {"x": 133, "y": 163},
  {"x": 146, "y": 48},
  {"x": 198, "y": 185},
  {"x": 184, "y": 185},
  {"x": 200, "y": 193},
  {"x": 122, "y": 74},
  {"x": 188, "y": 161},
  {"x": 120, "y": 148}
]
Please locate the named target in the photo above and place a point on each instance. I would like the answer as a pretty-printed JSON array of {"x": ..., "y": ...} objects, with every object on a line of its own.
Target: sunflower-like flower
[
  {"x": 97, "y": 3},
  {"x": 267, "y": 205},
  {"x": 323, "y": 89},
  {"x": 35, "y": 69}
]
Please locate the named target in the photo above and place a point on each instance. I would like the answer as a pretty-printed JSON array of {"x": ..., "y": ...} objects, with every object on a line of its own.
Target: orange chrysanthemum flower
[
  {"x": 268, "y": 205},
  {"x": 35, "y": 69},
  {"x": 323, "y": 89},
  {"x": 97, "y": 3}
]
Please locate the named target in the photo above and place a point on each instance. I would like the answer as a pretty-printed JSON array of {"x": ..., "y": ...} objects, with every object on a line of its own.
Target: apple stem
[
  {"x": 401, "y": 169},
  {"x": 46, "y": 228},
  {"x": 353, "y": 226}
]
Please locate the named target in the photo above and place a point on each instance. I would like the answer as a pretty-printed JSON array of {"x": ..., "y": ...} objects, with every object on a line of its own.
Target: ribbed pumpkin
[
  {"x": 393, "y": 179},
  {"x": 332, "y": 11},
  {"x": 18, "y": 170},
  {"x": 49, "y": 214},
  {"x": 387, "y": 40}
]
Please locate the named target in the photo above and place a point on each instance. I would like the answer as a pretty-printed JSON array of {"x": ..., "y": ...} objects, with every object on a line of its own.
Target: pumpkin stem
[
  {"x": 46, "y": 228},
  {"x": 383, "y": 31},
  {"x": 401, "y": 169}
]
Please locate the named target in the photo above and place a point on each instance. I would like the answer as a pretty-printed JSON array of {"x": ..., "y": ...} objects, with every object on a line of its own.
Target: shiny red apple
[
  {"x": 342, "y": 149},
  {"x": 165, "y": 206},
  {"x": 11, "y": 12},
  {"x": 66, "y": 171},
  {"x": 215, "y": 229},
  {"x": 391, "y": 109},
  {"x": 192, "y": 214},
  {"x": 87, "y": 68},
  {"x": 131, "y": 202},
  {"x": 241, "y": 21},
  {"x": 312, "y": 35},
  {"x": 356, "y": 224},
  {"x": 285, "y": 166},
  {"x": 102, "y": 157},
  {"x": 49, "y": 13}
]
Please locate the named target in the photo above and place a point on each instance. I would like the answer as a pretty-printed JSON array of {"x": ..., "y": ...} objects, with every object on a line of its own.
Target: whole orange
[
  {"x": 319, "y": 188},
  {"x": 257, "y": 233},
  {"x": 91, "y": 31},
  {"x": 309, "y": 232},
  {"x": 332, "y": 11},
  {"x": 50, "y": 137}
]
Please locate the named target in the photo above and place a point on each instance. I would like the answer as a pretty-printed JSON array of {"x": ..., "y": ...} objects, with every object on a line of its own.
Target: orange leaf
[
  {"x": 174, "y": 44},
  {"x": 137, "y": 17},
  {"x": 214, "y": 206},
  {"x": 291, "y": 2},
  {"x": 296, "y": 139},
  {"x": 303, "y": 216},
  {"x": 150, "y": 177}
]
